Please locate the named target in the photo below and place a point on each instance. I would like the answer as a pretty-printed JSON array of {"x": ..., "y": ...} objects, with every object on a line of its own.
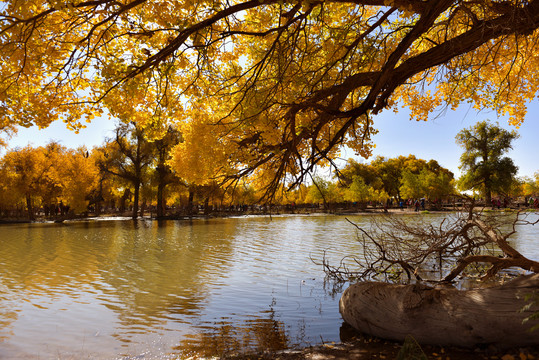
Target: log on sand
[{"x": 443, "y": 316}]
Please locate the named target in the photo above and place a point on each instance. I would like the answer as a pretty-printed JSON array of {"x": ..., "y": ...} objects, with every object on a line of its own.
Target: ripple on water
[{"x": 107, "y": 289}]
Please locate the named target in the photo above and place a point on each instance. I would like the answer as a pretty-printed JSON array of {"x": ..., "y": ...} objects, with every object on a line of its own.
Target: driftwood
[
  {"x": 443, "y": 316},
  {"x": 398, "y": 248}
]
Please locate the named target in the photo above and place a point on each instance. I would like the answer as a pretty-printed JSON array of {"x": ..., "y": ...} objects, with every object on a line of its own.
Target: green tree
[
  {"x": 367, "y": 172},
  {"x": 324, "y": 190},
  {"x": 412, "y": 185},
  {"x": 403, "y": 176},
  {"x": 390, "y": 170},
  {"x": 360, "y": 192},
  {"x": 485, "y": 168},
  {"x": 429, "y": 183}
]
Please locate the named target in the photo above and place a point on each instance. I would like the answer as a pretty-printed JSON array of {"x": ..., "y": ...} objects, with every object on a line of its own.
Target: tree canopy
[
  {"x": 275, "y": 86},
  {"x": 401, "y": 177},
  {"x": 485, "y": 168}
]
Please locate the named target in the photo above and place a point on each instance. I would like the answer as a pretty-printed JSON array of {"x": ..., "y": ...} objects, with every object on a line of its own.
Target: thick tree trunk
[
  {"x": 443, "y": 316},
  {"x": 135, "y": 200},
  {"x": 161, "y": 184},
  {"x": 125, "y": 196},
  {"x": 161, "y": 202},
  {"x": 206, "y": 206},
  {"x": 190, "y": 203},
  {"x": 142, "y": 208},
  {"x": 30, "y": 208}
]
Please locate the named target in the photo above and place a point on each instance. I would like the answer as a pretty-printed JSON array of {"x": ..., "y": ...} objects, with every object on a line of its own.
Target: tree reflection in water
[{"x": 256, "y": 334}]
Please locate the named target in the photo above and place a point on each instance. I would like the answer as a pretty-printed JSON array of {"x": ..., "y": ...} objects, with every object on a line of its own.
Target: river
[{"x": 116, "y": 288}]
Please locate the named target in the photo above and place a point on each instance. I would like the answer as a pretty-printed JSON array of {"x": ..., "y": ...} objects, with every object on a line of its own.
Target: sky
[
  {"x": 398, "y": 135},
  {"x": 435, "y": 139}
]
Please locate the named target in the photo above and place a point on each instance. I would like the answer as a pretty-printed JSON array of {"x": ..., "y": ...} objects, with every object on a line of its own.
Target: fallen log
[{"x": 443, "y": 316}]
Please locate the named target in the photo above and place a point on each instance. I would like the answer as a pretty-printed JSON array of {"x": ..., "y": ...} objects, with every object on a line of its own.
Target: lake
[{"x": 116, "y": 288}]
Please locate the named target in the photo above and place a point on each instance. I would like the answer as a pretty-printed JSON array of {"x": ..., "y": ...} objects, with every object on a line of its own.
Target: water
[{"x": 152, "y": 290}]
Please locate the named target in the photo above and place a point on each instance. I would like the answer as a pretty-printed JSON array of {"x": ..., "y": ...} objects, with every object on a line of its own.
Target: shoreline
[
  {"x": 363, "y": 347},
  {"x": 221, "y": 215}
]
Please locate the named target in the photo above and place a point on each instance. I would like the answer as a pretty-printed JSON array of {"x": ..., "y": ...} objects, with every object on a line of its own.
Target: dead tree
[
  {"x": 492, "y": 316},
  {"x": 400, "y": 249},
  {"x": 500, "y": 315}
]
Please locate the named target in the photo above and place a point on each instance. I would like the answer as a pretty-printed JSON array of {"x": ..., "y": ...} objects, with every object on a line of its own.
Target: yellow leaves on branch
[
  {"x": 202, "y": 157},
  {"x": 283, "y": 79},
  {"x": 494, "y": 76},
  {"x": 79, "y": 178}
]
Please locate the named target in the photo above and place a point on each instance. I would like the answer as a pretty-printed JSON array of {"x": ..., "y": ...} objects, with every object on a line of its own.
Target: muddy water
[{"x": 152, "y": 290}]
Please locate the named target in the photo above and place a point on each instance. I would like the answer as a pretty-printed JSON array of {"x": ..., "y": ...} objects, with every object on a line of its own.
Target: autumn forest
[
  {"x": 130, "y": 175},
  {"x": 232, "y": 103},
  {"x": 246, "y": 107}
]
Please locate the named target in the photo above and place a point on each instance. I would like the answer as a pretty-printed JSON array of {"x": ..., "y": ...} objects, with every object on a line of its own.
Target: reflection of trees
[
  {"x": 39, "y": 259},
  {"x": 256, "y": 334},
  {"x": 161, "y": 271},
  {"x": 145, "y": 273},
  {"x": 37, "y": 266},
  {"x": 8, "y": 314}
]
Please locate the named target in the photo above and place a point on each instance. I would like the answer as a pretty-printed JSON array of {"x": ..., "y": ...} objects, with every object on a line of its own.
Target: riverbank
[
  {"x": 229, "y": 214},
  {"x": 363, "y": 348}
]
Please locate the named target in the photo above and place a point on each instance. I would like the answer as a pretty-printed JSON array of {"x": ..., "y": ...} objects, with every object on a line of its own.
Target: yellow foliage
[
  {"x": 201, "y": 157},
  {"x": 47, "y": 175},
  {"x": 266, "y": 89},
  {"x": 79, "y": 176}
]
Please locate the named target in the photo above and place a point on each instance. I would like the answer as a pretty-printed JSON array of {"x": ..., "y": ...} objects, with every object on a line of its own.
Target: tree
[
  {"x": 285, "y": 83},
  {"x": 367, "y": 172},
  {"x": 429, "y": 184},
  {"x": 530, "y": 186},
  {"x": 404, "y": 176},
  {"x": 412, "y": 186},
  {"x": 358, "y": 191},
  {"x": 163, "y": 172},
  {"x": 398, "y": 250},
  {"x": 79, "y": 178},
  {"x": 33, "y": 174},
  {"x": 323, "y": 190},
  {"x": 127, "y": 156},
  {"x": 483, "y": 163}
]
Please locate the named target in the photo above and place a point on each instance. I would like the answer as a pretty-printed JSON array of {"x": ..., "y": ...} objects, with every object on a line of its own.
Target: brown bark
[
  {"x": 29, "y": 207},
  {"x": 136, "y": 196},
  {"x": 190, "y": 203},
  {"x": 512, "y": 258},
  {"x": 161, "y": 201},
  {"x": 497, "y": 265},
  {"x": 443, "y": 316}
]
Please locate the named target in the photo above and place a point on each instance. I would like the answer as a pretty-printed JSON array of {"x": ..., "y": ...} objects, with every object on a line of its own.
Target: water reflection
[
  {"x": 230, "y": 336},
  {"x": 133, "y": 277},
  {"x": 105, "y": 289}
]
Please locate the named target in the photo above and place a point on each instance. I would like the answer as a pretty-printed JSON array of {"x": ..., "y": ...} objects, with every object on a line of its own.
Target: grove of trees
[
  {"x": 258, "y": 94},
  {"x": 129, "y": 173},
  {"x": 265, "y": 89}
]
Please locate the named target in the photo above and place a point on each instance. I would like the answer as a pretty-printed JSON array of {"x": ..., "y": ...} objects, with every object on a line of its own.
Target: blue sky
[
  {"x": 435, "y": 139},
  {"x": 398, "y": 135}
]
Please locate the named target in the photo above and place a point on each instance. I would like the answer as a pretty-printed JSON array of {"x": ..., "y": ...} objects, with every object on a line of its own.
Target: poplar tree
[
  {"x": 263, "y": 88},
  {"x": 485, "y": 168}
]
